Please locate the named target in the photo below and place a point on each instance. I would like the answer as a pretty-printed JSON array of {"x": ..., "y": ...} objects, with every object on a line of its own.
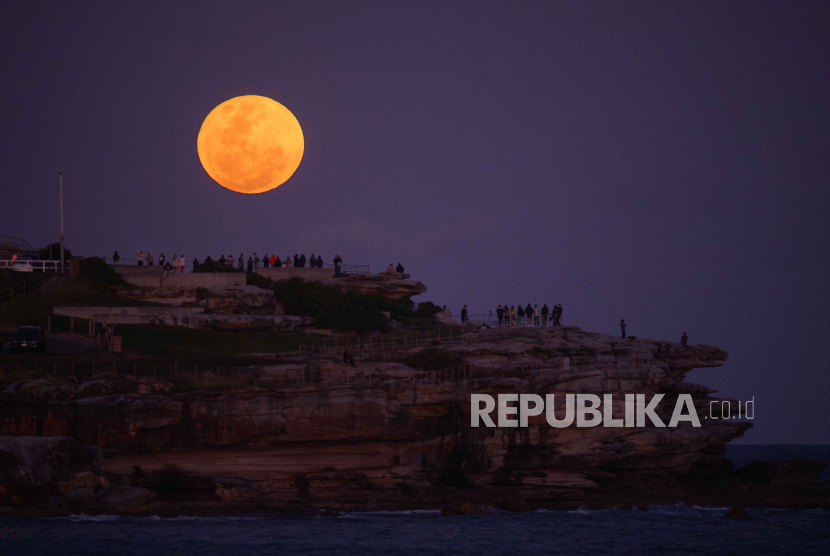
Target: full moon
[{"x": 250, "y": 144}]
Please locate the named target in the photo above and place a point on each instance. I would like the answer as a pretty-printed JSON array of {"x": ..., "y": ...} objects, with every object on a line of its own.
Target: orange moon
[{"x": 250, "y": 144}]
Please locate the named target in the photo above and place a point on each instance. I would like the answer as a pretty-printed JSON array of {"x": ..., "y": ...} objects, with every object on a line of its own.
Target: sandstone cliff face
[
  {"x": 381, "y": 435},
  {"x": 247, "y": 300}
]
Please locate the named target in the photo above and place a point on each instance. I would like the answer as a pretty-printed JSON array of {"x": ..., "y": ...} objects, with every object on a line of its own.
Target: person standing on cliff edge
[
  {"x": 500, "y": 315},
  {"x": 463, "y": 315},
  {"x": 622, "y": 327},
  {"x": 684, "y": 339},
  {"x": 557, "y": 315}
]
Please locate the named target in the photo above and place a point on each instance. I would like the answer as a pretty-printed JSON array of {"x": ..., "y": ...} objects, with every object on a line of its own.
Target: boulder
[
  {"x": 737, "y": 513},
  {"x": 83, "y": 497},
  {"x": 230, "y": 489},
  {"x": 445, "y": 316},
  {"x": 464, "y": 507},
  {"x": 85, "y": 480},
  {"x": 121, "y": 498},
  {"x": 32, "y": 466},
  {"x": 788, "y": 473}
]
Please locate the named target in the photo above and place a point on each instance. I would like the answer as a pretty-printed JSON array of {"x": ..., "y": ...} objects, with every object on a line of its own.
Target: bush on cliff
[
  {"x": 96, "y": 268},
  {"x": 332, "y": 308},
  {"x": 434, "y": 359},
  {"x": 427, "y": 309},
  {"x": 260, "y": 281},
  {"x": 52, "y": 252}
]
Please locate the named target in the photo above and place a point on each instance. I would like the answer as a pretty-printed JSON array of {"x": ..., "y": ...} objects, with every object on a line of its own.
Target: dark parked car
[{"x": 29, "y": 337}]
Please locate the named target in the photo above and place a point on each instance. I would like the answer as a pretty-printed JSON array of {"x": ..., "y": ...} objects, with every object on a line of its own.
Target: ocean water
[{"x": 657, "y": 530}]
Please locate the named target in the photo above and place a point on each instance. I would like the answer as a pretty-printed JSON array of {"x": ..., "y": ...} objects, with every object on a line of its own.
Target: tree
[{"x": 52, "y": 252}]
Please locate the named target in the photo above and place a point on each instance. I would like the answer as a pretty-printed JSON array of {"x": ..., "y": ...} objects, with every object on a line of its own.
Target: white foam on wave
[
  {"x": 364, "y": 515},
  {"x": 84, "y": 517},
  {"x": 110, "y": 517}
]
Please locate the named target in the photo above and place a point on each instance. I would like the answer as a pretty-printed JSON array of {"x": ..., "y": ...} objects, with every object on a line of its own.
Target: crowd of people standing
[
  {"x": 178, "y": 262},
  {"x": 531, "y": 315}
]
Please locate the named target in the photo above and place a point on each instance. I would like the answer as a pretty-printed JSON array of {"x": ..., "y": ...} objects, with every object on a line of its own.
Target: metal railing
[
  {"x": 30, "y": 266},
  {"x": 347, "y": 269},
  {"x": 18, "y": 244},
  {"x": 365, "y": 375},
  {"x": 15, "y": 290},
  {"x": 381, "y": 342}
]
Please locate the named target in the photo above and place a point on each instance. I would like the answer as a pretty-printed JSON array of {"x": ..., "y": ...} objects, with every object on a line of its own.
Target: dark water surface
[{"x": 659, "y": 530}]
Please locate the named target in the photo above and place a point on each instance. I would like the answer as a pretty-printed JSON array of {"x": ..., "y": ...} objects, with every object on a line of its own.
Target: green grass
[
  {"x": 36, "y": 305},
  {"x": 184, "y": 344}
]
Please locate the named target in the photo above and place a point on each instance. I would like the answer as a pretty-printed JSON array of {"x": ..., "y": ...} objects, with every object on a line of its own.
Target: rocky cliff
[{"x": 320, "y": 435}]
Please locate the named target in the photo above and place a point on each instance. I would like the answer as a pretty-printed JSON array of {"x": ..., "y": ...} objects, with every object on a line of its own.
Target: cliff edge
[{"x": 381, "y": 435}]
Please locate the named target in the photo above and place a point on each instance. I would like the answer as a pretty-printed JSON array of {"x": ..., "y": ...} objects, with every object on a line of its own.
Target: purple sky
[{"x": 662, "y": 162}]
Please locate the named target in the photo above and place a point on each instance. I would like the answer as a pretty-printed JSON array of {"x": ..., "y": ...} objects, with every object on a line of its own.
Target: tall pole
[{"x": 60, "y": 172}]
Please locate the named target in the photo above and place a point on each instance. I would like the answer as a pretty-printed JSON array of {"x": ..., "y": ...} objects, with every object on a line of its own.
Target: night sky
[{"x": 662, "y": 162}]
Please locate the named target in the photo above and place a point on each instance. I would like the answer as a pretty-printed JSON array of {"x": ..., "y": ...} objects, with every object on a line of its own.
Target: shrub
[
  {"x": 52, "y": 252},
  {"x": 260, "y": 281},
  {"x": 427, "y": 309},
  {"x": 95, "y": 268},
  {"x": 331, "y": 307},
  {"x": 307, "y": 298}
]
